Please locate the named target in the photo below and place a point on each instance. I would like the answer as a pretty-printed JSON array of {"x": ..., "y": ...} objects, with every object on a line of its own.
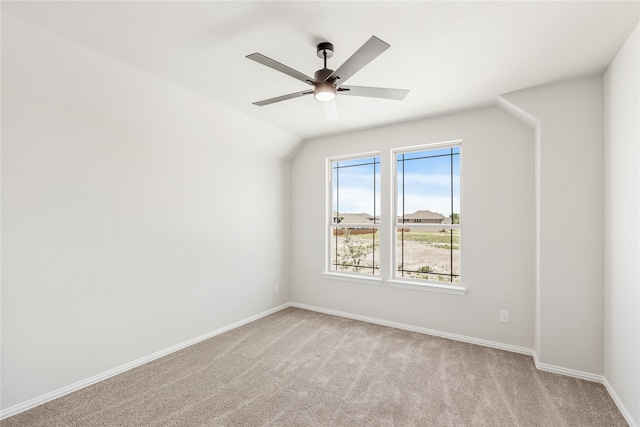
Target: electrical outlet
[
  {"x": 504, "y": 316},
  {"x": 277, "y": 287}
]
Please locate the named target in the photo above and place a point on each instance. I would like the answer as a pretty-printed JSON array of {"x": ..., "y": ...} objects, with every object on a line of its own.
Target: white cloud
[
  {"x": 443, "y": 180},
  {"x": 357, "y": 200},
  {"x": 430, "y": 184}
]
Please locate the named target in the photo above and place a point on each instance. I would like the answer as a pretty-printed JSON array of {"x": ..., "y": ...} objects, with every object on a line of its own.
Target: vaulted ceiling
[{"x": 450, "y": 55}]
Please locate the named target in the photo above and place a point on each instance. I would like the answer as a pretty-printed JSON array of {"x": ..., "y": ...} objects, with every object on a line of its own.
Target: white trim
[
  {"x": 429, "y": 146},
  {"x": 353, "y": 277},
  {"x": 426, "y": 331},
  {"x": 427, "y": 286},
  {"x": 567, "y": 371},
  {"x": 393, "y": 279},
  {"x": 625, "y": 413},
  {"x": 21, "y": 407},
  {"x": 329, "y": 200},
  {"x": 354, "y": 156}
]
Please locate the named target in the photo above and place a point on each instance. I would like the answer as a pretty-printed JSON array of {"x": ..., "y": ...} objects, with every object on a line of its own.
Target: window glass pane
[
  {"x": 428, "y": 254},
  {"x": 355, "y": 191},
  {"x": 355, "y": 250},
  {"x": 428, "y": 186}
]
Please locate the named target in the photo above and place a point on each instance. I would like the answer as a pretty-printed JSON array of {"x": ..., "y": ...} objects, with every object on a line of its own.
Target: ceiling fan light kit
[
  {"x": 325, "y": 92},
  {"x": 328, "y": 83}
]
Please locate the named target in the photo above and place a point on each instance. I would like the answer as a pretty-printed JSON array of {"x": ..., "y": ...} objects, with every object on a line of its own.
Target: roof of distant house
[
  {"x": 423, "y": 214},
  {"x": 355, "y": 218}
]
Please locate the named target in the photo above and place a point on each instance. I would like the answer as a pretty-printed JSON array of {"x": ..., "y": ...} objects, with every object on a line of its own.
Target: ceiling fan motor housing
[
  {"x": 321, "y": 75},
  {"x": 323, "y": 48}
]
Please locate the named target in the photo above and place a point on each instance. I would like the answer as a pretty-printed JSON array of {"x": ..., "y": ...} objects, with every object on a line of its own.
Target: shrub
[{"x": 425, "y": 269}]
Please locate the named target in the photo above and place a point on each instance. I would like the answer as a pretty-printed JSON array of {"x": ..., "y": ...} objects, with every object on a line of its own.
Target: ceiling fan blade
[
  {"x": 280, "y": 67},
  {"x": 367, "y": 53},
  {"x": 330, "y": 110},
  {"x": 282, "y": 98},
  {"x": 373, "y": 92}
]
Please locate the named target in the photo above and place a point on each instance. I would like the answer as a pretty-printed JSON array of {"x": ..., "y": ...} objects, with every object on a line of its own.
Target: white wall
[
  {"x": 135, "y": 215},
  {"x": 131, "y": 209},
  {"x": 622, "y": 225},
  {"x": 570, "y": 218},
  {"x": 498, "y": 234}
]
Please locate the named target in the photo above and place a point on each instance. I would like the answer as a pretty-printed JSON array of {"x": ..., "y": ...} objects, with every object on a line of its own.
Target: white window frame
[
  {"x": 412, "y": 283},
  {"x": 387, "y": 226},
  {"x": 347, "y": 275}
]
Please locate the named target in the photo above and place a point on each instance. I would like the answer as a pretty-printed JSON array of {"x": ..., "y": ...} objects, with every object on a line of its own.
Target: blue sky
[
  {"x": 427, "y": 183},
  {"x": 356, "y": 180}
]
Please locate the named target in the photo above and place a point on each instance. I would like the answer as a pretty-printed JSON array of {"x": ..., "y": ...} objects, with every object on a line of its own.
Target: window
[
  {"x": 422, "y": 233},
  {"x": 427, "y": 229},
  {"x": 355, "y": 215}
]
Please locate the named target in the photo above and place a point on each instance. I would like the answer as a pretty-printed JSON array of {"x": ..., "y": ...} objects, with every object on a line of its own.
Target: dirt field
[
  {"x": 423, "y": 255},
  {"x": 416, "y": 255}
]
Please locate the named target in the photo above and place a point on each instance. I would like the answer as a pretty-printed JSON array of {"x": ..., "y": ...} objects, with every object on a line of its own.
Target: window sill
[
  {"x": 431, "y": 287},
  {"x": 396, "y": 283},
  {"x": 353, "y": 278}
]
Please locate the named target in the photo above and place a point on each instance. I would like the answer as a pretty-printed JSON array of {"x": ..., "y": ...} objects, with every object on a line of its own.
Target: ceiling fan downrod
[{"x": 324, "y": 90}]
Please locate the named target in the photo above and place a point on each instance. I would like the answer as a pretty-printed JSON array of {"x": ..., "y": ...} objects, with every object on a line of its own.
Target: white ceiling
[{"x": 451, "y": 55}]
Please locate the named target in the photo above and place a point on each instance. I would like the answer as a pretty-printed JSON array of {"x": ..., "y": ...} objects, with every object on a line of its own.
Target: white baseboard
[
  {"x": 21, "y": 407},
  {"x": 419, "y": 329},
  {"x": 567, "y": 371},
  {"x": 625, "y": 413}
]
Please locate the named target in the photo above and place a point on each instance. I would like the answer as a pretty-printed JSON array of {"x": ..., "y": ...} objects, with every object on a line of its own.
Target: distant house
[
  {"x": 424, "y": 217},
  {"x": 353, "y": 218}
]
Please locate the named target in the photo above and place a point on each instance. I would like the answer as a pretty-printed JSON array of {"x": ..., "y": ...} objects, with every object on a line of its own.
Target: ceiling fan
[{"x": 329, "y": 83}]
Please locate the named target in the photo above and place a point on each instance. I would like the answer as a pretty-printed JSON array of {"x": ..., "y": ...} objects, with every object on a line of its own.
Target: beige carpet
[{"x": 301, "y": 368}]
